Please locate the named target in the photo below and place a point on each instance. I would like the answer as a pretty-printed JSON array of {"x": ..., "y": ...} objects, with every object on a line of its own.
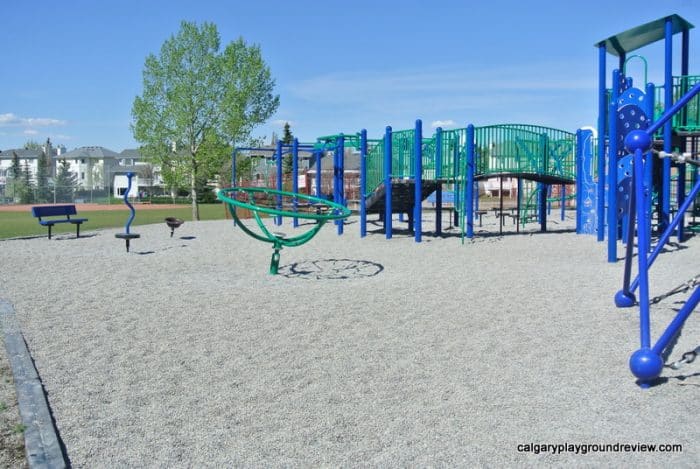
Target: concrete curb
[{"x": 40, "y": 437}]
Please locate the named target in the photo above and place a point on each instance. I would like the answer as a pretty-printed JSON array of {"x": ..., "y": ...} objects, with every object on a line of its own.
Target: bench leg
[
  {"x": 50, "y": 231},
  {"x": 77, "y": 230}
]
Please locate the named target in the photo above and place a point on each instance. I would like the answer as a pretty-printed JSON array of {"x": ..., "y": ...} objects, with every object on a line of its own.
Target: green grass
[{"x": 14, "y": 224}]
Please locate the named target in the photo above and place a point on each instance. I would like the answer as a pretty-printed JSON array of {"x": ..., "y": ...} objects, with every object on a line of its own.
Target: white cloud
[
  {"x": 442, "y": 123},
  {"x": 11, "y": 120},
  {"x": 31, "y": 132}
]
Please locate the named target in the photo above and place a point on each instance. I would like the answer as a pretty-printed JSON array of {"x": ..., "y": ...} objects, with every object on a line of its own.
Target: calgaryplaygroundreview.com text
[{"x": 586, "y": 448}]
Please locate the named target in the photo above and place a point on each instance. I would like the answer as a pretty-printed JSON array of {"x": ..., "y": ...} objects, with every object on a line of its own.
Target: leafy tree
[
  {"x": 66, "y": 182},
  {"x": 200, "y": 100},
  {"x": 27, "y": 193},
  {"x": 42, "y": 177},
  {"x": 15, "y": 184},
  {"x": 287, "y": 139},
  {"x": 32, "y": 145}
]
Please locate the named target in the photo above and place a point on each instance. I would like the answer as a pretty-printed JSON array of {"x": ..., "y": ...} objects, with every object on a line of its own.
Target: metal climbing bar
[{"x": 647, "y": 363}]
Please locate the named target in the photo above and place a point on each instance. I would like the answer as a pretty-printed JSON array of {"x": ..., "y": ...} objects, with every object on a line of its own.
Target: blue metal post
[
  {"x": 663, "y": 239},
  {"x": 318, "y": 155},
  {"x": 612, "y": 170},
  {"x": 563, "y": 202},
  {"x": 233, "y": 178},
  {"x": 469, "y": 186},
  {"x": 543, "y": 205},
  {"x": 668, "y": 128},
  {"x": 387, "y": 182},
  {"x": 649, "y": 168},
  {"x": 295, "y": 178},
  {"x": 418, "y": 178},
  {"x": 339, "y": 179},
  {"x": 579, "y": 181},
  {"x": 602, "y": 108},
  {"x": 685, "y": 41},
  {"x": 438, "y": 178},
  {"x": 278, "y": 158},
  {"x": 677, "y": 322},
  {"x": 363, "y": 183},
  {"x": 642, "y": 250},
  {"x": 457, "y": 187}
]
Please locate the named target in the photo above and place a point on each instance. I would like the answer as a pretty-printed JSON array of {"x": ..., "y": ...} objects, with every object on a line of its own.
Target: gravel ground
[{"x": 186, "y": 353}]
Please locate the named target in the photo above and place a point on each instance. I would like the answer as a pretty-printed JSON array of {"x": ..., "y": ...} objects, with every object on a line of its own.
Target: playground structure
[
  {"x": 639, "y": 174},
  {"x": 624, "y": 180},
  {"x": 127, "y": 236},
  {"x": 271, "y": 202},
  {"x": 387, "y": 182}
]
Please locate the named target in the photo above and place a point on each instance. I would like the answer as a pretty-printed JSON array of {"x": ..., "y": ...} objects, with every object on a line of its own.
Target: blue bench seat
[{"x": 64, "y": 211}]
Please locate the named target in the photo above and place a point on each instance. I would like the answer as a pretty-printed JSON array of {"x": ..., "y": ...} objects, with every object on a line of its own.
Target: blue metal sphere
[
  {"x": 624, "y": 300},
  {"x": 637, "y": 139},
  {"x": 645, "y": 364}
]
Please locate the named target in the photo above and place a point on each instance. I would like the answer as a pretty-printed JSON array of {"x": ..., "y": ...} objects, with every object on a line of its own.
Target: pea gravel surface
[{"x": 185, "y": 352}]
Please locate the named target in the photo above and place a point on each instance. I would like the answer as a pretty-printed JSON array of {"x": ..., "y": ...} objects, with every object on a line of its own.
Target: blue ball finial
[
  {"x": 645, "y": 364},
  {"x": 637, "y": 139},
  {"x": 624, "y": 299}
]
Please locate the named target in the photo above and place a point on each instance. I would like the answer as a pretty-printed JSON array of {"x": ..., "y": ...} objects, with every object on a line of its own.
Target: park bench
[{"x": 57, "y": 211}]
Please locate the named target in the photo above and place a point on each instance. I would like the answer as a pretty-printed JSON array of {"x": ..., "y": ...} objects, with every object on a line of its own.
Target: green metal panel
[
  {"x": 689, "y": 117},
  {"x": 525, "y": 149},
  {"x": 402, "y": 154},
  {"x": 643, "y": 35},
  {"x": 374, "y": 165}
]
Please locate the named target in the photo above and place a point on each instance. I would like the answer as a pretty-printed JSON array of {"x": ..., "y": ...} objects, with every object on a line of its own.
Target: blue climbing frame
[{"x": 647, "y": 362}]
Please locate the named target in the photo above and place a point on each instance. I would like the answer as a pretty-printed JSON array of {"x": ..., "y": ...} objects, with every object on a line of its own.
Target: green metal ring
[{"x": 338, "y": 211}]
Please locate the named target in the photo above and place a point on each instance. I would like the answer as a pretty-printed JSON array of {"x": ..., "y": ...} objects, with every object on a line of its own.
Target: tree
[
  {"x": 42, "y": 174},
  {"x": 66, "y": 182},
  {"x": 16, "y": 184},
  {"x": 200, "y": 101},
  {"x": 287, "y": 139},
  {"x": 27, "y": 193},
  {"x": 32, "y": 145}
]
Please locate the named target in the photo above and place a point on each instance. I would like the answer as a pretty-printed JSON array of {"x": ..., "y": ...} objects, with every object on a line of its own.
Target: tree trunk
[{"x": 193, "y": 193}]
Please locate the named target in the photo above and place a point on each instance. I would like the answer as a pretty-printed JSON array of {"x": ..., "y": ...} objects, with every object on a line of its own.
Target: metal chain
[
  {"x": 682, "y": 288},
  {"x": 687, "y": 357}
]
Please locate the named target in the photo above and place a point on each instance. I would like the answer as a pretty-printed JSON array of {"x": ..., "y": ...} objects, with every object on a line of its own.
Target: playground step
[{"x": 402, "y": 195}]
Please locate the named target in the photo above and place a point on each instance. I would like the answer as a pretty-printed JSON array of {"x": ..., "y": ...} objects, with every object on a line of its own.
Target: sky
[{"x": 73, "y": 68}]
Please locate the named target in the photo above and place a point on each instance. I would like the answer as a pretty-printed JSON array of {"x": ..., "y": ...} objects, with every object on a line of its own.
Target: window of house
[
  {"x": 82, "y": 175},
  {"x": 82, "y": 161}
]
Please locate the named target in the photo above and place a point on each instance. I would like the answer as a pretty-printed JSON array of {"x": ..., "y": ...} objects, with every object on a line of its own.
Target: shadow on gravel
[{"x": 331, "y": 269}]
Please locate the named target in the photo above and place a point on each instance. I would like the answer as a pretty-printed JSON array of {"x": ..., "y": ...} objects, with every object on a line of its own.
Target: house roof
[
  {"x": 643, "y": 35},
  {"x": 21, "y": 153},
  {"x": 130, "y": 153},
  {"x": 351, "y": 163},
  {"x": 88, "y": 152}
]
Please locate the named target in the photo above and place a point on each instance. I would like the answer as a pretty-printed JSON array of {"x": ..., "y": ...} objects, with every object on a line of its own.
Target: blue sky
[{"x": 72, "y": 69}]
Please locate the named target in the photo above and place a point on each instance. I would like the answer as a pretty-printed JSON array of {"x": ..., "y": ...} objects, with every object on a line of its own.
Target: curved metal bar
[
  {"x": 289, "y": 242},
  {"x": 278, "y": 242},
  {"x": 129, "y": 175},
  {"x": 338, "y": 211}
]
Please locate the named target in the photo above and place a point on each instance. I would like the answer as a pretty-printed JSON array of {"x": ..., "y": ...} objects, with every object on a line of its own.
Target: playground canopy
[{"x": 640, "y": 36}]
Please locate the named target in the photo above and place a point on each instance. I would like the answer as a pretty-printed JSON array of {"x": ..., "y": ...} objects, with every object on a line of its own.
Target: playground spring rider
[
  {"x": 333, "y": 211},
  {"x": 127, "y": 235}
]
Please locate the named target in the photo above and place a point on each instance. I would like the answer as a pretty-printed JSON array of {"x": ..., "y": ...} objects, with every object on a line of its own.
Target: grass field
[{"x": 18, "y": 224}]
